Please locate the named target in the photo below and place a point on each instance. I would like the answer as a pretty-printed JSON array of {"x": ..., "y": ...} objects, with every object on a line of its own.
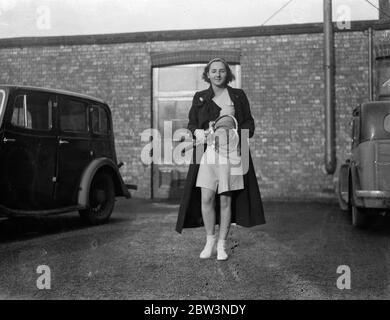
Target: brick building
[{"x": 279, "y": 67}]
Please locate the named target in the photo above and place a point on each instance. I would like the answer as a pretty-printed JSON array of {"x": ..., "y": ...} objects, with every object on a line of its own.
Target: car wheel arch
[
  {"x": 355, "y": 185},
  {"x": 342, "y": 187},
  {"x": 96, "y": 167}
]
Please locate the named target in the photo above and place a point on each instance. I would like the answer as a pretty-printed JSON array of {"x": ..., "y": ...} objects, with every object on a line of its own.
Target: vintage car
[
  {"x": 57, "y": 154},
  {"x": 364, "y": 180}
]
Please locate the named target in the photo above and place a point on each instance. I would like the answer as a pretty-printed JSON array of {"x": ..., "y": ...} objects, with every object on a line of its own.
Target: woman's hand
[
  {"x": 210, "y": 134},
  {"x": 200, "y": 135}
]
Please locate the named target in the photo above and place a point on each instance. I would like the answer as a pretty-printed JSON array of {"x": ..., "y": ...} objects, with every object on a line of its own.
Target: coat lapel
[
  {"x": 236, "y": 102},
  {"x": 211, "y": 110},
  {"x": 209, "y": 95}
]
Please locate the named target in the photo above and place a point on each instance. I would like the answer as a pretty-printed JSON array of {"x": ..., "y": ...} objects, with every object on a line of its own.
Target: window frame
[
  {"x": 184, "y": 93},
  {"x": 387, "y": 116},
  {"x": 181, "y": 95},
  {"x": 25, "y": 94},
  {"x": 2, "y": 101},
  {"x": 87, "y": 104},
  {"x": 104, "y": 109},
  {"x": 3, "y": 104},
  {"x": 356, "y": 130}
]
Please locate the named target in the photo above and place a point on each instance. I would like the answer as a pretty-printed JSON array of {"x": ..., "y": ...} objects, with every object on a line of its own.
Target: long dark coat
[{"x": 247, "y": 208}]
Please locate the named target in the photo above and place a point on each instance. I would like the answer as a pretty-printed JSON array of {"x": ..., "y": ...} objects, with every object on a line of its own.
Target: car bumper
[
  {"x": 374, "y": 198},
  {"x": 373, "y": 194}
]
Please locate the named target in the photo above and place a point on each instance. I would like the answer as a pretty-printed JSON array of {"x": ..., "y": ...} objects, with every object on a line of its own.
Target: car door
[
  {"x": 28, "y": 151},
  {"x": 74, "y": 149}
]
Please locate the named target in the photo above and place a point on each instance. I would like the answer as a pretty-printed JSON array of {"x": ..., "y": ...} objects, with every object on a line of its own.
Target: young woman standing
[{"x": 210, "y": 185}]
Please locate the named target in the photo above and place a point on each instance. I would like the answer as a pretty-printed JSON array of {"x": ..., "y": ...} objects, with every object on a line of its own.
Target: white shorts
[{"x": 218, "y": 173}]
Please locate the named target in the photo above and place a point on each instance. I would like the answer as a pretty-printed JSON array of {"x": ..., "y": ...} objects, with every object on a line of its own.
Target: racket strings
[{"x": 225, "y": 137}]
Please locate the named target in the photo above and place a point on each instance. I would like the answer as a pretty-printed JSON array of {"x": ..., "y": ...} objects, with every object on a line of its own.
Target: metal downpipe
[
  {"x": 329, "y": 69},
  {"x": 370, "y": 65}
]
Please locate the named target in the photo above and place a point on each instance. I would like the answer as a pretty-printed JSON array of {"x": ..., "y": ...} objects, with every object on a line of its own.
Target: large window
[
  {"x": 173, "y": 91},
  {"x": 174, "y": 88},
  {"x": 33, "y": 111}
]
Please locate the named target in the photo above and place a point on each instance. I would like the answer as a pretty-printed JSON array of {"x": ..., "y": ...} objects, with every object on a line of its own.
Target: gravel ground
[{"x": 138, "y": 255}]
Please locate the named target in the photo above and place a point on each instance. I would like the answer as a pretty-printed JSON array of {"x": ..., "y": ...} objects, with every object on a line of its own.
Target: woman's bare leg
[
  {"x": 226, "y": 215},
  {"x": 208, "y": 210},
  {"x": 208, "y": 214},
  {"x": 224, "y": 226}
]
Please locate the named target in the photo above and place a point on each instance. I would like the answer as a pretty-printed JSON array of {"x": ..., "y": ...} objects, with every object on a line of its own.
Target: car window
[
  {"x": 33, "y": 111},
  {"x": 383, "y": 76},
  {"x": 2, "y": 96},
  {"x": 387, "y": 123},
  {"x": 73, "y": 115},
  {"x": 99, "y": 120},
  {"x": 355, "y": 131}
]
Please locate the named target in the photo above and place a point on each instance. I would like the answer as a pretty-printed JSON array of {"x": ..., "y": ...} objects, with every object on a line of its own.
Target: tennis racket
[{"x": 222, "y": 136}]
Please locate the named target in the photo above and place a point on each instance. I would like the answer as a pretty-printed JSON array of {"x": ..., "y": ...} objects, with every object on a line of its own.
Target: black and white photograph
[{"x": 212, "y": 152}]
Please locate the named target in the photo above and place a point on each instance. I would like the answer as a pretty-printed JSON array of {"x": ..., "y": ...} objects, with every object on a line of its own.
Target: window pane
[
  {"x": 174, "y": 90},
  {"x": 2, "y": 96},
  {"x": 175, "y": 111},
  {"x": 18, "y": 111},
  {"x": 73, "y": 115},
  {"x": 383, "y": 67},
  {"x": 95, "y": 119},
  {"x": 356, "y": 131},
  {"x": 39, "y": 111},
  {"x": 181, "y": 78},
  {"x": 103, "y": 121},
  {"x": 387, "y": 123},
  {"x": 99, "y": 120},
  {"x": 187, "y": 78},
  {"x": 33, "y": 111}
]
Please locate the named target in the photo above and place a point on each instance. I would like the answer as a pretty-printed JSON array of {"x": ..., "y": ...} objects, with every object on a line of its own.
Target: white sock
[
  {"x": 221, "y": 250},
  {"x": 209, "y": 248}
]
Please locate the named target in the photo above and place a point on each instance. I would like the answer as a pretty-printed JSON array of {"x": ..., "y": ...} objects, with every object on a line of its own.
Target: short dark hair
[{"x": 229, "y": 74}]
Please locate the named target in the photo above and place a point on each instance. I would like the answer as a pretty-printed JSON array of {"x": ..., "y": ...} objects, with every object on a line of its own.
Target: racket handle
[{"x": 191, "y": 146}]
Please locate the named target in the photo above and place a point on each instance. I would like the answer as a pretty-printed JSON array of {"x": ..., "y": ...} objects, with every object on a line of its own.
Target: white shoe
[
  {"x": 209, "y": 248},
  {"x": 221, "y": 250}
]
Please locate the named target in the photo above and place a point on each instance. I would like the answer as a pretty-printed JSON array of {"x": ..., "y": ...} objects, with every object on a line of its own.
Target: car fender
[
  {"x": 342, "y": 186},
  {"x": 90, "y": 172},
  {"x": 355, "y": 185}
]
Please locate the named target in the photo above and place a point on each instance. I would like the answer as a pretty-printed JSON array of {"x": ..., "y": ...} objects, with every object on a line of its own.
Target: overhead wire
[
  {"x": 277, "y": 12},
  {"x": 379, "y": 9}
]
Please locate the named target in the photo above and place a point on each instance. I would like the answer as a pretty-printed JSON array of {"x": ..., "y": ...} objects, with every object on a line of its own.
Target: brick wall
[{"x": 282, "y": 76}]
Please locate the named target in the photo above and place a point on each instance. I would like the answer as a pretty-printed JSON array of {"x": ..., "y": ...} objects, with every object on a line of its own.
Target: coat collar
[
  {"x": 232, "y": 94},
  {"x": 209, "y": 95}
]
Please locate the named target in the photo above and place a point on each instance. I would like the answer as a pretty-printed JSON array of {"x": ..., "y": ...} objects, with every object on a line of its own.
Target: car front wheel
[
  {"x": 359, "y": 217},
  {"x": 101, "y": 200}
]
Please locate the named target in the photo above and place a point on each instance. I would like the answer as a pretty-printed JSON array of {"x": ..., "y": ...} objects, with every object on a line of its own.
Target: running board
[
  {"x": 131, "y": 186},
  {"x": 4, "y": 211}
]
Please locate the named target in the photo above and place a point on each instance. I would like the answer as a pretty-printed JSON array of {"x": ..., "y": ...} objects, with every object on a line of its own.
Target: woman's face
[{"x": 217, "y": 74}]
